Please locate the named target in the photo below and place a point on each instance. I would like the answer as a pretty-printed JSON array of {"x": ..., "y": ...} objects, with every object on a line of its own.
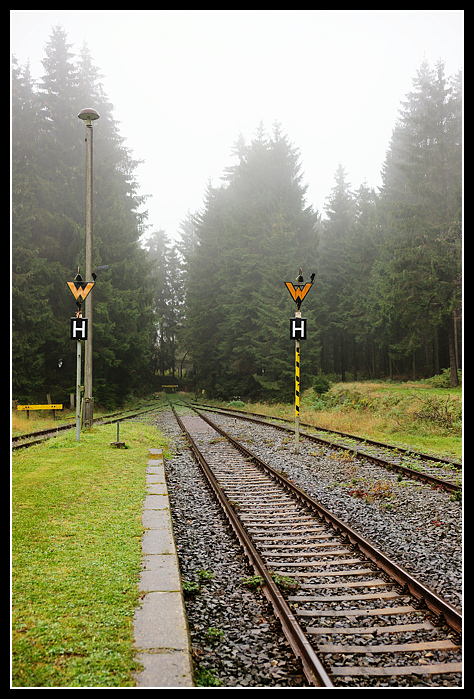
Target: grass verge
[
  {"x": 76, "y": 557},
  {"x": 43, "y": 419},
  {"x": 412, "y": 414}
]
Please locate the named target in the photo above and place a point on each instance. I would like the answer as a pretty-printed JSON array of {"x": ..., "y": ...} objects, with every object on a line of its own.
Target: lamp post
[{"x": 88, "y": 115}]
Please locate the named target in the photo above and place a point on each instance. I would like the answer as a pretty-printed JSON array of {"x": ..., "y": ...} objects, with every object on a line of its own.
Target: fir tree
[
  {"x": 252, "y": 236},
  {"x": 48, "y": 234},
  {"x": 420, "y": 267},
  {"x": 335, "y": 269}
]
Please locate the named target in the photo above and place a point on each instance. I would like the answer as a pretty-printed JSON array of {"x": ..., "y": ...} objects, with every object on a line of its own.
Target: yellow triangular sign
[
  {"x": 80, "y": 289},
  {"x": 298, "y": 291}
]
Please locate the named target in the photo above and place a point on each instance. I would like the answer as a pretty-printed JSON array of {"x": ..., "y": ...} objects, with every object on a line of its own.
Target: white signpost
[{"x": 79, "y": 327}]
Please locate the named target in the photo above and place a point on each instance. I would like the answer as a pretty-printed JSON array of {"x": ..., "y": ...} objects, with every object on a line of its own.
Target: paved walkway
[{"x": 160, "y": 624}]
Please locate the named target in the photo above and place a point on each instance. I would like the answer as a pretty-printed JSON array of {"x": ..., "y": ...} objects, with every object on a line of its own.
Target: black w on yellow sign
[
  {"x": 80, "y": 289},
  {"x": 298, "y": 291}
]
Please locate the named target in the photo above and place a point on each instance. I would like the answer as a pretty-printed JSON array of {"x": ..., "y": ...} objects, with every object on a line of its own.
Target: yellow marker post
[{"x": 297, "y": 391}]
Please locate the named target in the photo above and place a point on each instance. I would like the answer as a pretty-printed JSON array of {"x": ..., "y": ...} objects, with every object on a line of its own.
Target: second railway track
[
  {"x": 354, "y": 614},
  {"x": 436, "y": 471}
]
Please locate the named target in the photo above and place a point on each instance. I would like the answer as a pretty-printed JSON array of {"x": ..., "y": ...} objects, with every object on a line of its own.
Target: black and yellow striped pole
[{"x": 297, "y": 390}]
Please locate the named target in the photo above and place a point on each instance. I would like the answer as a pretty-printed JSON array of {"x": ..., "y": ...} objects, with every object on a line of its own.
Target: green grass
[
  {"x": 43, "y": 419},
  {"x": 76, "y": 557},
  {"x": 416, "y": 415}
]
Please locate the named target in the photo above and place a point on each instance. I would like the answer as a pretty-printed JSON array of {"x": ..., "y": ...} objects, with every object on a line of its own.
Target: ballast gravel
[
  {"x": 235, "y": 637},
  {"x": 236, "y": 640}
]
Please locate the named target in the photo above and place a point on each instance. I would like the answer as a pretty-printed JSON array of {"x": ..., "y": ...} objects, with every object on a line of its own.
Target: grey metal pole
[
  {"x": 88, "y": 399},
  {"x": 89, "y": 115},
  {"x": 78, "y": 392}
]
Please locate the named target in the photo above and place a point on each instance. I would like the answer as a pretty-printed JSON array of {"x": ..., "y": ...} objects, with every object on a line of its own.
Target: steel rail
[
  {"x": 366, "y": 440},
  {"x": 49, "y": 433},
  {"x": 425, "y": 596},
  {"x": 449, "y": 486},
  {"x": 312, "y": 666}
]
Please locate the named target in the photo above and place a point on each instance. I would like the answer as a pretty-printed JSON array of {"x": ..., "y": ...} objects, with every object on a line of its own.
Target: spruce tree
[
  {"x": 335, "y": 268},
  {"x": 253, "y": 235},
  {"x": 48, "y": 234},
  {"x": 420, "y": 269},
  {"x": 167, "y": 283},
  {"x": 32, "y": 317}
]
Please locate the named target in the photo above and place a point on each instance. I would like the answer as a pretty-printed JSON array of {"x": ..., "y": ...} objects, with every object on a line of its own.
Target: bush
[
  {"x": 445, "y": 414},
  {"x": 236, "y": 404},
  {"x": 318, "y": 402},
  {"x": 321, "y": 384},
  {"x": 442, "y": 380}
]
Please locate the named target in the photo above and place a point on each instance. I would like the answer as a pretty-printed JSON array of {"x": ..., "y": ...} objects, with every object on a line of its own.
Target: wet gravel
[{"x": 235, "y": 637}]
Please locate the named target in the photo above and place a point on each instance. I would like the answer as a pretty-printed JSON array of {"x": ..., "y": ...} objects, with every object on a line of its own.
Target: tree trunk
[
  {"x": 343, "y": 359},
  {"x": 452, "y": 352},
  {"x": 436, "y": 353}
]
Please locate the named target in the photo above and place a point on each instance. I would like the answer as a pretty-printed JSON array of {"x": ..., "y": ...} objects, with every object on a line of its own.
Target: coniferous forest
[{"x": 207, "y": 304}]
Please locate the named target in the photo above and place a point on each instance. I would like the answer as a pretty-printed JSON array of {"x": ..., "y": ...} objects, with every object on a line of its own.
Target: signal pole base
[{"x": 88, "y": 417}]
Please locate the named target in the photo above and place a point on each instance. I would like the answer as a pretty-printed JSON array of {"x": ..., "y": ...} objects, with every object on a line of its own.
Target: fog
[{"x": 185, "y": 84}]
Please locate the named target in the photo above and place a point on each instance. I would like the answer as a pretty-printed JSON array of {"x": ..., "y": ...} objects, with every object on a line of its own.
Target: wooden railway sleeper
[
  {"x": 417, "y": 589},
  {"x": 425, "y": 597}
]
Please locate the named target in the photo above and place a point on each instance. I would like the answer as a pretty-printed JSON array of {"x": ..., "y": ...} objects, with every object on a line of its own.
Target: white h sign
[
  {"x": 298, "y": 328},
  {"x": 78, "y": 328}
]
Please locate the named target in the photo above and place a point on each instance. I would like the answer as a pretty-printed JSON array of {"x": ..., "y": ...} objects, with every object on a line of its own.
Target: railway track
[
  {"x": 24, "y": 441},
  {"x": 350, "y": 614},
  {"x": 435, "y": 471}
]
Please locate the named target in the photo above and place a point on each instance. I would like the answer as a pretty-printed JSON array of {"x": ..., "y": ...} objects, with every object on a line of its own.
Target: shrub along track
[{"x": 354, "y": 616}]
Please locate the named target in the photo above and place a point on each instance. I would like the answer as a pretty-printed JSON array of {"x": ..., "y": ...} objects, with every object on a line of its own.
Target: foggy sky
[{"x": 184, "y": 84}]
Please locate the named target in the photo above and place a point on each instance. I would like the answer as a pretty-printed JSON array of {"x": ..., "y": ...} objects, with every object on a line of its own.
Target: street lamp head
[{"x": 88, "y": 115}]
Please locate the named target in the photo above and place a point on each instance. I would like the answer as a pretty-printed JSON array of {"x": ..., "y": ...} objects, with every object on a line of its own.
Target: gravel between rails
[
  {"x": 235, "y": 637},
  {"x": 420, "y": 528}
]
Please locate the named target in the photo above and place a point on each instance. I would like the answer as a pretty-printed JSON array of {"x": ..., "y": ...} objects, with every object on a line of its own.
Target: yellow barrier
[{"x": 49, "y": 406}]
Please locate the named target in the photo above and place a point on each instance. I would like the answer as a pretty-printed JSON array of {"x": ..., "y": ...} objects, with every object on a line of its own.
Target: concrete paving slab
[
  {"x": 157, "y": 489},
  {"x": 160, "y": 624},
  {"x": 158, "y": 541},
  {"x": 155, "y": 478},
  {"x": 156, "y": 502},
  {"x": 174, "y": 670},
  {"x": 159, "y": 572}
]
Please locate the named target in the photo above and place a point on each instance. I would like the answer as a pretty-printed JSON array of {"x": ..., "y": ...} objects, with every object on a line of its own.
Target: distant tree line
[
  {"x": 48, "y": 235},
  {"x": 386, "y": 298},
  {"x": 387, "y": 294}
]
